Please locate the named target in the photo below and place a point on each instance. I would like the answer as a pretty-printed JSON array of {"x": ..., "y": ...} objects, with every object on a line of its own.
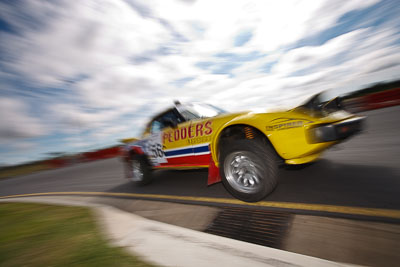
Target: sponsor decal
[
  {"x": 194, "y": 133},
  {"x": 154, "y": 149},
  {"x": 287, "y": 123},
  {"x": 197, "y": 135},
  {"x": 199, "y": 140}
]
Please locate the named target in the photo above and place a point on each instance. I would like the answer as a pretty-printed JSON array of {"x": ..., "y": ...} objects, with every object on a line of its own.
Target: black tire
[
  {"x": 143, "y": 167},
  {"x": 251, "y": 160}
]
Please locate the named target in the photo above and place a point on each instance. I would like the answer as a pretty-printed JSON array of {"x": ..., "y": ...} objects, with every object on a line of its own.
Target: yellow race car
[{"x": 243, "y": 150}]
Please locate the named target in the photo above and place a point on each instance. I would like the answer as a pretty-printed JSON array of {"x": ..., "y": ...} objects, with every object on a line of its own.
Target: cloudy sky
[{"x": 78, "y": 75}]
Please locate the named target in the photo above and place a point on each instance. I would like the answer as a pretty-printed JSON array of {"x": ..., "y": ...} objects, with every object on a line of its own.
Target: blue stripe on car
[
  {"x": 201, "y": 149},
  {"x": 179, "y": 152},
  {"x": 187, "y": 151}
]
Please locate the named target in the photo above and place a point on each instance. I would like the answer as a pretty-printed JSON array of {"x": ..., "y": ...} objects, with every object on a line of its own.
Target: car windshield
[
  {"x": 324, "y": 102},
  {"x": 199, "y": 110}
]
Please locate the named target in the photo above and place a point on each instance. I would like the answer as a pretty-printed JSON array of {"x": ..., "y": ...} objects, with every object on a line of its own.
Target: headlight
[
  {"x": 320, "y": 134},
  {"x": 336, "y": 131}
]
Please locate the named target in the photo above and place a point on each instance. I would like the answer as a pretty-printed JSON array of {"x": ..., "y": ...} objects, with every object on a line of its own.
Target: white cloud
[
  {"x": 123, "y": 59},
  {"x": 81, "y": 38},
  {"x": 329, "y": 12},
  {"x": 16, "y": 123},
  {"x": 72, "y": 116}
]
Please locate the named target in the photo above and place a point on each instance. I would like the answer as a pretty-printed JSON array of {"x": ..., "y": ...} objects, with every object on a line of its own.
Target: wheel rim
[
  {"x": 242, "y": 172},
  {"x": 137, "y": 172}
]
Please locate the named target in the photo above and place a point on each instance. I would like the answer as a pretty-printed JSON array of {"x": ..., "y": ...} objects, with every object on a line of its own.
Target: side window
[
  {"x": 156, "y": 126},
  {"x": 161, "y": 122},
  {"x": 172, "y": 116}
]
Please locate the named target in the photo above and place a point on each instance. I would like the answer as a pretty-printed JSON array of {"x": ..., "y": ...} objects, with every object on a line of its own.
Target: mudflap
[{"x": 213, "y": 173}]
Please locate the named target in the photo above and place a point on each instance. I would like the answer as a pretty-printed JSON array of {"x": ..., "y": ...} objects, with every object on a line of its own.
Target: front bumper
[{"x": 335, "y": 131}]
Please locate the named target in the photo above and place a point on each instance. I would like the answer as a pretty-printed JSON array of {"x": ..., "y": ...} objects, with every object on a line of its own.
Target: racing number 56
[{"x": 156, "y": 151}]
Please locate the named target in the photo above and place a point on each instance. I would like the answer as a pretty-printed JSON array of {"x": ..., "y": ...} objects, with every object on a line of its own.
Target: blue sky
[{"x": 79, "y": 75}]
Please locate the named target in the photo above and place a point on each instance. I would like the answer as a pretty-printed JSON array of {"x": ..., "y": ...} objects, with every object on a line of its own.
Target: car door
[
  {"x": 196, "y": 132},
  {"x": 188, "y": 144},
  {"x": 168, "y": 144}
]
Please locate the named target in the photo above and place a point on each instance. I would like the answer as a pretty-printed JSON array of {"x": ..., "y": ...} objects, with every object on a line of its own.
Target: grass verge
[{"x": 47, "y": 235}]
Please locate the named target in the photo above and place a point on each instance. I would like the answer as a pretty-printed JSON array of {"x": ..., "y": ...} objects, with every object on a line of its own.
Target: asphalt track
[{"x": 362, "y": 172}]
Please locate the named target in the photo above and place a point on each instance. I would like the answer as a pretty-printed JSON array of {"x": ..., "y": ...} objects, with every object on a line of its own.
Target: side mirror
[{"x": 170, "y": 123}]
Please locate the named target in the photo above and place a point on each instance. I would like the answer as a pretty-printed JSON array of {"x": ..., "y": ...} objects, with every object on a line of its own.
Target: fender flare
[
  {"x": 213, "y": 169},
  {"x": 214, "y": 149}
]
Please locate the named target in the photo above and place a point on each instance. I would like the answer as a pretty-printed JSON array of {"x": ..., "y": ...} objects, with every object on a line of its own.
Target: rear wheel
[
  {"x": 141, "y": 172},
  {"x": 248, "y": 169}
]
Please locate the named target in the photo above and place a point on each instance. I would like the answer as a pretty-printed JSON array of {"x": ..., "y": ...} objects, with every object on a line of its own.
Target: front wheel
[
  {"x": 248, "y": 169},
  {"x": 141, "y": 173}
]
